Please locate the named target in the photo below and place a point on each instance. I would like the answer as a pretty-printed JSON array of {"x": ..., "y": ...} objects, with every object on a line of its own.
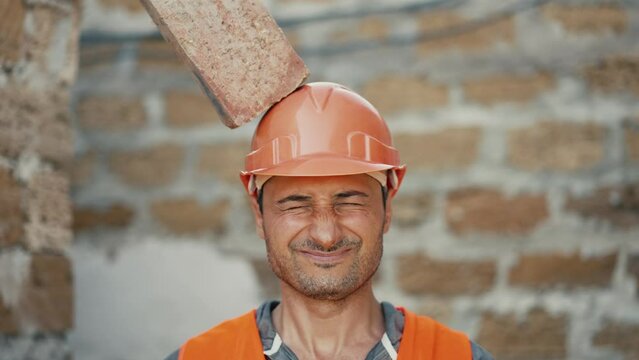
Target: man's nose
[{"x": 325, "y": 229}]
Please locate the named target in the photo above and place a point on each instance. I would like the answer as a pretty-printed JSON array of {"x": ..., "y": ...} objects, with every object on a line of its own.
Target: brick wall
[
  {"x": 518, "y": 222},
  {"x": 38, "y": 55}
]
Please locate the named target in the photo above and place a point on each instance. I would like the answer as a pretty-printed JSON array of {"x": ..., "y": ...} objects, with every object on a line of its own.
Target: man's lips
[{"x": 326, "y": 257}]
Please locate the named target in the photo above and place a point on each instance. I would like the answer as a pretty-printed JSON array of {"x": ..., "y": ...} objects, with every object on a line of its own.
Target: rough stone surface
[
  {"x": 223, "y": 160},
  {"x": 551, "y": 145},
  {"x": 566, "y": 271},
  {"x": 155, "y": 166},
  {"x": 393, "y": 93},
  {"x": 507, "y": 88},
  {"x": 48, "y": 212},
  {"x": 260, "y": 66},
  {"x": 412, "y": 210},
  {"x": 419, "y": 274},
  {"x": 614, "y": 74},
  {"x": 617, "y": 205},
  {"x": 115, "y": 216},
  {"x": 187, "y": 109},
  {"x": 11, "y": 29},
  {"x": 449, "y": 149},
  {"x": 442, "y": 32},
  {"x": 623, "y": 337},
  {"x": 488, "y": 211},
  {"x": 591, "y": 19},
  {"x": 112, "y": 113},
  {"x": 11, "y": 229},
  {"x": 538, "y": 336},
  {"x": 188, "y": 216}
]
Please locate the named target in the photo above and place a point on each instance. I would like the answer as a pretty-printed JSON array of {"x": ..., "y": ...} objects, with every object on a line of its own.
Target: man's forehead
[{"x": 319, "y": 184}]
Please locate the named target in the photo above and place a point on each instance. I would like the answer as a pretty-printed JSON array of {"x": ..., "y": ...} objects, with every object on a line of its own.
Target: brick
[
  {"x": 442, "y": 28},
  {"x": 552, "y": 145},
  {"x": 411, "y": 210},
  {"x": 155, "y": 166},
  {"x": 439, "y": 309},
  {"x": 82, "y": 169},
  {"x": 188, "y": 216},
  {"x": 616, "y": 205},
  {"x": 448, "y": 149},
  {"x": 188, "y": 109},
  {"x": 565, "y": 271},
  {"x": 489, "y": 211},
  {"x": 11, "y": 213},
  {"x": 157, "y": 54},
  {"x": 589, "y": 19},
  {"x": 369, "y": 28},
  {"x": 111, "y": 113},
  {"x": 48, "y": 212},
  {"x": 47, "y": 299},
  {"x": 392, "y": 93},
  {"x": 539, "y": 335},
  {"x": 8, "y": 321},
  {"x": 114, "y": 216},
  {"x": 259, "y": 65},
  {"x": 95, "y": 56},
  {"x": 633, "y": 267},
  {"x": 269, "y": 283},
  {"x": 133, "y": 6},
  {"x": 419, "y": 274},
  {"x": 12, "y": 15},
  {"x": 223, "y": 160},
  {"x": 614, "y": 74},
  {"x": 506, "y": 88},
  {"x": 632, "y": 140},
  {"x": 37, "y": 122},
  {"x": 623, "y": 337}
]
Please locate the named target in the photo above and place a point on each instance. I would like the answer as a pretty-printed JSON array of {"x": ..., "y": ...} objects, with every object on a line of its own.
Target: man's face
[{"x": 323, "y": 234}]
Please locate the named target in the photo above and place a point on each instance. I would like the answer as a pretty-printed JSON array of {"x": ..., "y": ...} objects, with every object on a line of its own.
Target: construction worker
[{"x": 321, "y": 176}]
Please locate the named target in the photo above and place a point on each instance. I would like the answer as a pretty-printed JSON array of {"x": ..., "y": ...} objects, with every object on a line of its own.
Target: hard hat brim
[{"x": 322, "y": 165}]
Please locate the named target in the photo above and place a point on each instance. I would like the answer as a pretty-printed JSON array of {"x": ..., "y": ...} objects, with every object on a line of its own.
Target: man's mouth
[{"x": 323, "y": 257}]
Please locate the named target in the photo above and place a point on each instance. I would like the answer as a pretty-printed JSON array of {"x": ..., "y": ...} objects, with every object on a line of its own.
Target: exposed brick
[
  {"x": 410, "y": 210},
  {"x": 133, "y": 6},
  {"x": 82, "y": 168},
  {"x": 489, "y": 211},
  {"x": 223, "y": 160},
  {"x": 269, "y": 283},
  {"x": 111, "y": 113},
  {"x": 419, "y": 274},
  {"x": 157, "y": 54},
  {"x": 550, "y": 145},
  {"x": 393, "y": 92},
  {"x": 615, "y": 74},
  {"x": 47, "y": 300},
  {"x": 8, "y": 322},
  {"x": 449, "y": 149},
  {"x": 11, "y": 229},
  {"x": 156, "y": 166},
  {"x": 539, "y": 335},
  {"x": 633, "y": 267},
  {"x": 12, "y": 15},
  {"x": 115, "y": 216},
  {"x": 440, "y": 309},
  {"x": 632, "y": 140},
  {"x": 617, "y": 205},
  {"x": 369, "y": 28},
  {"x": 94, "y": 56},
  {"x": 507, "y": 88},
  {"x": 588, "y": 18},
  {"x": 48, "y": 211},
  {"x": 623, "y": 337},
  {"x": 444, "y": 27},
  {"x": 186, "y": 109},
  {"x": 188, "y": 216},
  {"x": 566, "y": 271},
  {"x": 36, "y": 122},
  {"x": 260, "y": 66}
]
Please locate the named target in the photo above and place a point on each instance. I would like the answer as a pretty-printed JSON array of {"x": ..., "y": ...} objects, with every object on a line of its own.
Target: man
[{"x": 321, "y": 177}]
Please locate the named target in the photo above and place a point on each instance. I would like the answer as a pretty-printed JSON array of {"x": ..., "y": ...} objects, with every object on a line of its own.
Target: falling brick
[{"x": 235, "y": 49}]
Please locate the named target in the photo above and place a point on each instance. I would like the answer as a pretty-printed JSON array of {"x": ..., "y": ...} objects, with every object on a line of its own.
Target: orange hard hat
[{"x": 322, "y": 129}]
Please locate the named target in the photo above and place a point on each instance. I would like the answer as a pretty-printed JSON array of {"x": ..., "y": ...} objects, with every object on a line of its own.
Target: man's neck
[{"x": 327, "y": 329}]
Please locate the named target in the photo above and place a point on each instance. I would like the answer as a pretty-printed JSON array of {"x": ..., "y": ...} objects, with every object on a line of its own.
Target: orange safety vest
[{"x": 423, "y": 339}]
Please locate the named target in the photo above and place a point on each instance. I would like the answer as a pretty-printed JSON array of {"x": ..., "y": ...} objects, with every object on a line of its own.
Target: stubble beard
[{"x": 326, "y": 286}]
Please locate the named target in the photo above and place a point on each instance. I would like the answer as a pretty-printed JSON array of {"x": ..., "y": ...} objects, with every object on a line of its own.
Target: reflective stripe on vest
[{"x": 423, "y": 339}]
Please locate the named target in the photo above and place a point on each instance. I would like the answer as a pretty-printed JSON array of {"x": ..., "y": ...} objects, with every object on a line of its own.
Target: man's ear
[
  {"x": 388, "y": 214},
  {"x": 257, "y": 215}
]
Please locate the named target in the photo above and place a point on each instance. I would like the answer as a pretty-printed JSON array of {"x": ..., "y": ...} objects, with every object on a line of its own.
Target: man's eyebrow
[
  {"x": 294, "y": 197},
  {"x": 350, "y": 193}
]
